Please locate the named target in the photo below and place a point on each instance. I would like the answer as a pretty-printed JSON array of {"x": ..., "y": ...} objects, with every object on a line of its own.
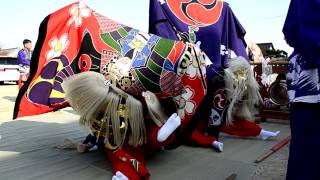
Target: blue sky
[{"x": 263, "y": 20}]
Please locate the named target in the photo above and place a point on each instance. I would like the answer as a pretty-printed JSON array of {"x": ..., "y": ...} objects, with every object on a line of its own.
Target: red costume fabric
[
  {"x": 240, "y": 127},
  {"x": 130, "y": 160},
  {"x": 211, "y": 114}
]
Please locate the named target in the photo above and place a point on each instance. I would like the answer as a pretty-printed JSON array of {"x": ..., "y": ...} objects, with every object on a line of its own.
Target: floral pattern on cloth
[
  {"x": 78, "y": 12},
  {"x": 58, "y": 46},
  {"x": 303, "y": 80},
  {"x": 194, "y": 70},
  {"x": 185, "y": 104}
]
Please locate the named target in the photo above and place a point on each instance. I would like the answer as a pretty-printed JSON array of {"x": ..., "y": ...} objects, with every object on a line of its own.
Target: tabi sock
[
  {"x": 218, "y": 145},
  {"x": 169, "y": 127},
  {"x": 266, "y": 134}
]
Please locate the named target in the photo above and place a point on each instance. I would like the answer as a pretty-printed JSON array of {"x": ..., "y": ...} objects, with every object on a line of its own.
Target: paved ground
[{"x": 27, "y": 152}]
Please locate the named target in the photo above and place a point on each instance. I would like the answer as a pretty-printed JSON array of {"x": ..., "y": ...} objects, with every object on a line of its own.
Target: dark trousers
[{"x": 304, "y": 152}]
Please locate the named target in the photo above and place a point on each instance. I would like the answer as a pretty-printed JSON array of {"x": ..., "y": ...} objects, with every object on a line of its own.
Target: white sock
[
  {"x": 266, "y": 134},
  {"x": 167, "y": 129},
  {"x": 218, "y": 145},
  {"x": 94, "y": 148},
  {"x": 119, "y": 176}
]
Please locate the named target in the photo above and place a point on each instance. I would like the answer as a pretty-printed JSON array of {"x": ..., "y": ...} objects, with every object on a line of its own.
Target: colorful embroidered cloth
[
  {"x": 210, "y": 22},
  {"x": 75, "y": 39},
  {"x": 214, "y": 25}
]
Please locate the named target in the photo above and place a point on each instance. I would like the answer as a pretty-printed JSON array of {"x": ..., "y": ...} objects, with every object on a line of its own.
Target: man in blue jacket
[
  {"x": 24, "y": 55},
  {"x": 302, "y": 32}
]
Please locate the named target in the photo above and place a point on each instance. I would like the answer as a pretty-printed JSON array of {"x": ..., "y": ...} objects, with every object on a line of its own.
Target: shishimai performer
[{"x": 232, "y": 109}]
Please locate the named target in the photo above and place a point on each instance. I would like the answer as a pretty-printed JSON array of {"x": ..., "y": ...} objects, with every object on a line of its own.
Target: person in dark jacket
[{"x": 302, "y": 32}]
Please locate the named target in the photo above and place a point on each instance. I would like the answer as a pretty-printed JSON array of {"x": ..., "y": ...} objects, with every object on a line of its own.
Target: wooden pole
[{"x": 274, "y": 149}]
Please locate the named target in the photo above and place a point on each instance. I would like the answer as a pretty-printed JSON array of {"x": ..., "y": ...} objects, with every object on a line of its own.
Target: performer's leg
[
  {"x": 130, "y": 162},
  {"x": 304, "y": 148},
  {"x": 266, "y": 134},
  {"x": 198, "y": 138},
  {"x": 153, "y": 144},
  {"x": 242, "y": 128}
]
